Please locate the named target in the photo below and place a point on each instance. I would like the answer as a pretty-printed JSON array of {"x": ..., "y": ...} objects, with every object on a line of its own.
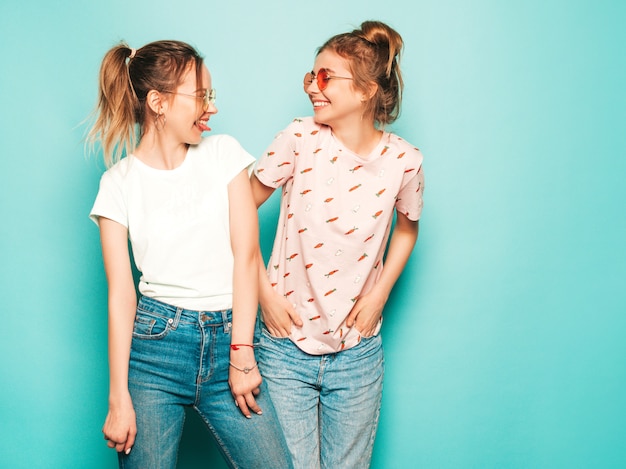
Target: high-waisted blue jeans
[
  {"x": 181, "y": 358},
  {"x": 328, "y": 405}
]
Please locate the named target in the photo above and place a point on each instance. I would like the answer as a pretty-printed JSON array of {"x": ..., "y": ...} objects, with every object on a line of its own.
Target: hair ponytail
[
  {"x": 126, "y": 77},
  {"x": 117, "y": 106}
]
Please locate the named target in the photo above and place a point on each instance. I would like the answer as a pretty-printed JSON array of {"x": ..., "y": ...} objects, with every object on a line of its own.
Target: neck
[
  {"x": 159, "y": 152},
  {"x": 360, "y": 138}
]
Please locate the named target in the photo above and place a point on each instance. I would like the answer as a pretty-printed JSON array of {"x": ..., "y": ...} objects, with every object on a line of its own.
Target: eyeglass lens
[
  {"x": 321, "y": 78},
  {"x": 208, "y": 98}
]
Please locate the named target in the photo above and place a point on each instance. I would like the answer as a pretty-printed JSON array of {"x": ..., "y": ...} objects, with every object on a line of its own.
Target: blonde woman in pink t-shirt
[{"x": 343, "y": 177}]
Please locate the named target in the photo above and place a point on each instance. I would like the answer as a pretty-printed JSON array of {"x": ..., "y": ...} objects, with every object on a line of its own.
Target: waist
[{"x": 179, "y": 314}]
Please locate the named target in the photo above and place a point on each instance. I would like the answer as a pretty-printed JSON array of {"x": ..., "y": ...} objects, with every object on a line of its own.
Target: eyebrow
[{"x": 330, "y": 71}]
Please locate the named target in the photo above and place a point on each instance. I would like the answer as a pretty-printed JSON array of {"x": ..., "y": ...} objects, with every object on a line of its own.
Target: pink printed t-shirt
[{"x": 335, "y": 218}]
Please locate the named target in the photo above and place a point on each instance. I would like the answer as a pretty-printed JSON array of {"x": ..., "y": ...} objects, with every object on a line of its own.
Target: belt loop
[
  {"x": 179, "y": 312},
  {"x": 227, "y": 324}
]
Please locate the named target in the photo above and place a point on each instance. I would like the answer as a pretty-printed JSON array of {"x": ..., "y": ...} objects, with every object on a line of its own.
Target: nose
[
  {"x": 210, "y": 108},
  {"x": 308, "y": 86}
]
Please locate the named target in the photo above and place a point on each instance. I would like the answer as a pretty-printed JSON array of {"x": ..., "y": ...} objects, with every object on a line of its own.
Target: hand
[
  {"x": 120, "y": 427},
  {"x": 244, "y": 386},
  {"x": 278, "y": 314},
  {"x": 366, "y": 313}
]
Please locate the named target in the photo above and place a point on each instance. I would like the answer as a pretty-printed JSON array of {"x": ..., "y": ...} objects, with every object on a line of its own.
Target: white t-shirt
[{"x": 178, "y": 222}]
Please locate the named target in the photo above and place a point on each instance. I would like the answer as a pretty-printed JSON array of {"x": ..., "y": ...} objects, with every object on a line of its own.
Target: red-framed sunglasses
[{"x": 322, "y": 77}]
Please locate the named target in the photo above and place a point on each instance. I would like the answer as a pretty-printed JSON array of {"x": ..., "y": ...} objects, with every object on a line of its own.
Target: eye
[{"x": 322, "y": 75}]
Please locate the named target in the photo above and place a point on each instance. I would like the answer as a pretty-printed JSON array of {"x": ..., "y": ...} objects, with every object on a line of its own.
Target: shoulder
[
  {"x": 217, "y": 148},
  {"x": 300, "y": 130},
  {"x": 311, "y": 127},
  {"x": 217, "y": 142},
  {"x": 304, "y": 125},
  {"x": 405, "y": 150},
  {"x": 117, "y": 173},
  {"x": 220, "y": 151}
]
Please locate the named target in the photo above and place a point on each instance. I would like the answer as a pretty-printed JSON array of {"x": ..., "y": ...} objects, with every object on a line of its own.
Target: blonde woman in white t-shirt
[{"x": 186, "y": 205}]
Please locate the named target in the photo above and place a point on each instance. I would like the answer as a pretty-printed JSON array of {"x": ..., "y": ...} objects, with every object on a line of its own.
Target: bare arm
[
  {"x": 119, "y": 427},
  {"x": 368, "y": 309},
  {"x": 244, "y": 234},
  {"x": 260, "y": 191}
]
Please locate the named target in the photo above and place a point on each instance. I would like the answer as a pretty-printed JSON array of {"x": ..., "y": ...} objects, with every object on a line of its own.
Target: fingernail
[
  {"x": 248, "y": 416},
  {"x": 260, "y": 412},
  {"x": 128, "y": 451}
]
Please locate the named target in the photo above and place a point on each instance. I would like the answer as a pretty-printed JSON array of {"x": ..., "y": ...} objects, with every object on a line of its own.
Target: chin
[{"x": 318, "y": 120}]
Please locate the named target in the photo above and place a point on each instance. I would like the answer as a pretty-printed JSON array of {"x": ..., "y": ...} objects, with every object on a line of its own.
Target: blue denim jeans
[
  {"x": 181, "y": 358},
  {"x": 328, "y": 405}
]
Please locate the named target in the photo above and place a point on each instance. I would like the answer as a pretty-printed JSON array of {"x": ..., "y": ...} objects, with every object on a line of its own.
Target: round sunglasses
[{"x": 322, "y": 77}]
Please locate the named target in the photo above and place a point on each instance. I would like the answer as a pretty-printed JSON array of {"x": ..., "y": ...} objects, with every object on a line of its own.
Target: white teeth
[{"x": 320, "y": 104}]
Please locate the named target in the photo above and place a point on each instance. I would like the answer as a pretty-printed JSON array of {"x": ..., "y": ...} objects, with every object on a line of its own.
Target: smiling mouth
[{"x": 320, "y": 104}]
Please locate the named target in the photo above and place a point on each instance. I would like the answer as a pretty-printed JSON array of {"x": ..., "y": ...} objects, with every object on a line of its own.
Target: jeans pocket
[
  {"x": 363, "y": 336},
  {"x": 267, "y": 334},
  {"x": 150, "y": 326}
]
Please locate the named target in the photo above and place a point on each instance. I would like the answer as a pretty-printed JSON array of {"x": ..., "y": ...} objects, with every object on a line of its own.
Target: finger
[
  {"x": 243, "y": 407},
  {"x": 256, "y": 391},
  {"x": 350, "y": 319},
  {"x": 293, "y": 316},
  {"x": 252, "y": 405},
  {"x": 130, "y": 442},
  {"x": 279, "y": 332}
]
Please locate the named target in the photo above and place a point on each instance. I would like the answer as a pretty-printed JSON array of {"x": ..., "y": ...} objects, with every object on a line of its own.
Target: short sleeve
[
  {"x": 276, "y": 165},
  {"x": 410, "y": 200},
  {"x": 233, "y": 157},
  {"x": 110, "y": 201}
]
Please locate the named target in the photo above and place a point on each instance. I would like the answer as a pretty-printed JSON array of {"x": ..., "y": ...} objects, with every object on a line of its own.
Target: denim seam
[{"x": 219, "y": 441}]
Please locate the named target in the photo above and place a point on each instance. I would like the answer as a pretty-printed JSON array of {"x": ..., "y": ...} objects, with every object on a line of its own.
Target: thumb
[
  {"x": 295, "y": 317},
  {"x": 351, "y": 318}
]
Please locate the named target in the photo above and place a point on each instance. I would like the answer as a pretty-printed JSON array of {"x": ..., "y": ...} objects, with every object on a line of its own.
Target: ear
[
  {"x": 368, "y": 93},
  {"x": 156, "y": 102},
  {"x": 372, "y": 88}
]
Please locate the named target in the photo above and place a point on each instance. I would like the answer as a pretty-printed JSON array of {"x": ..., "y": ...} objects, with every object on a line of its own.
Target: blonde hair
[
  {"x": 373, "y": 54},
  {"x": 126, "y": 78}
]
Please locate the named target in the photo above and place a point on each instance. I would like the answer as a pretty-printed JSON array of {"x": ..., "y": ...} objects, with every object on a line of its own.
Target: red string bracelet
[{"x": 236, "y": 346}]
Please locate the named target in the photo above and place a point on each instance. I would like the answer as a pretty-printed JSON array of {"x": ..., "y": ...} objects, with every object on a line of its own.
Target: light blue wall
[{"x": 505, "y": 336}]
